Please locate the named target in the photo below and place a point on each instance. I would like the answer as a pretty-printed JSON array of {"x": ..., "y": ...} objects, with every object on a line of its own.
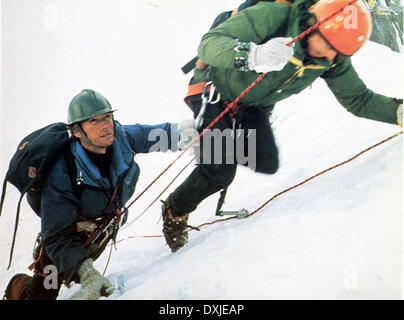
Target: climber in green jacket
[{"x": 256, "y": 40}]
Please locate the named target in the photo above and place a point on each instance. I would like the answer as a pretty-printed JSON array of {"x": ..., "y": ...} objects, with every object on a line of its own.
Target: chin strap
[{"x": 86, "y": 139}]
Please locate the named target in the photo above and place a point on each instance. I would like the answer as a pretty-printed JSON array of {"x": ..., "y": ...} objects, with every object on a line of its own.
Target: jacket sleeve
[
  {"x": 58, "y": 216},
  {"x": 354, "y": 95},
  {"x": 150, "y": 138},
  {"x": 218, "y": 47}
]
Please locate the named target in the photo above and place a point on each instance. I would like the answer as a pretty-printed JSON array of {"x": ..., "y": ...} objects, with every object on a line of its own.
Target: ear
[{"x": 76, "y": 131}]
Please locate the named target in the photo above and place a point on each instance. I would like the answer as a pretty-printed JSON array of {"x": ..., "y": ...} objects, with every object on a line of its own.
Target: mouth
[{"x": 106, "y": 135}]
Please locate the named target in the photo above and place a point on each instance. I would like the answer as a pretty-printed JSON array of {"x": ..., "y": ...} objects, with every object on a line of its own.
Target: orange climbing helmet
[{"x": 346, "y": 31}]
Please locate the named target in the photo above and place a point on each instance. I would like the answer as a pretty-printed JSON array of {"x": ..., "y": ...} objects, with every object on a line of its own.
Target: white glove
[
  {"x": 93, "y": 284},
  {"x": 187, "y": 133},
  {"x": 270, "y": 56},
  {"x": 400, "y": 115}
]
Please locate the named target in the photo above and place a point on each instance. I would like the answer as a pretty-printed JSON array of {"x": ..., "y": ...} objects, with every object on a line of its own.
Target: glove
[
  {"x": 400, "y": 115},
  {"x": 93, "y": 284},
  {"x": 270, "y": 56},
  {"x": 187, "y": 133}
]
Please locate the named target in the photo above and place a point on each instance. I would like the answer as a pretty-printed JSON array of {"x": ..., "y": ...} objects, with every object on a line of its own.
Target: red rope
[
  {"x": 325, "y": 171},
  {"x": 288, "y": 189}
]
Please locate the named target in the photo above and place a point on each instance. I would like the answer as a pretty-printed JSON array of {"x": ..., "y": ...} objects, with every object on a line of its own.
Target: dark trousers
[{"x": 209, "y": 176}]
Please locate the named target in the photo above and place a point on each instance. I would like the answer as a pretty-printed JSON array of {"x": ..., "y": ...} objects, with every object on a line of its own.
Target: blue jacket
[{"x": 60, "y": 206}]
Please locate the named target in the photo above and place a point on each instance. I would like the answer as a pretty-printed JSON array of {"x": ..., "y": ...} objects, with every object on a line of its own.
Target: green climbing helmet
[{"x": 87, "y": 104}]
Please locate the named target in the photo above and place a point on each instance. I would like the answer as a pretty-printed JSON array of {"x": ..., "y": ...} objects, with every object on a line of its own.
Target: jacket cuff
[{"x": 241, "y": 59}]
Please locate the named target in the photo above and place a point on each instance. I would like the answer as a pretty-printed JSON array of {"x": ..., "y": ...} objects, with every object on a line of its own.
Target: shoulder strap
[
  {"x": 15, "y": 230},
  {"x": 17, "y": 217},
  {"x": 71, "y": 167}
]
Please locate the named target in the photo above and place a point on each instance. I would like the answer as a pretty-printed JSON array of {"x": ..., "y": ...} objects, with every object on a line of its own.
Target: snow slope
[{"x": 337, "y": 237}]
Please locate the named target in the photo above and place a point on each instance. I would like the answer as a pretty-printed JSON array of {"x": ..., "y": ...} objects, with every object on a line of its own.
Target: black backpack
[
  {"x": 32, "y": 161},
  {"x": 223, "y": 17}
]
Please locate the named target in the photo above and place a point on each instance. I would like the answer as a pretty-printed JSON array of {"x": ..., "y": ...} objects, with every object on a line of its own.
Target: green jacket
[{"x": 268, "y": 20}]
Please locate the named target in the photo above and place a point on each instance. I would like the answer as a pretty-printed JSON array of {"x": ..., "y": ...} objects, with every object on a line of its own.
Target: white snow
[{"x": 339, "y": 236}]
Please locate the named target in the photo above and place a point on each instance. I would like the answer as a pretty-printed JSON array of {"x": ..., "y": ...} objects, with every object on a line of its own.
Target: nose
[{"x": 106, "y": 125}]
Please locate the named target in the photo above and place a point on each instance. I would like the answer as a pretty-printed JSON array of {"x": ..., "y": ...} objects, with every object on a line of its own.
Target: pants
[{"x": 209, "y": 176}]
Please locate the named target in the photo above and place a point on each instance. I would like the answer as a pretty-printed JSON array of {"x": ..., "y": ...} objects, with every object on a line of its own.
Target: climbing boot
[
  {"x": 17, "y": 287},
  {"x": 175, "y": 229}
]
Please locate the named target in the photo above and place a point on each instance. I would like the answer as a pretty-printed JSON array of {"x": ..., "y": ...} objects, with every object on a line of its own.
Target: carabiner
[
  {"x": 211, "y": 95},
  {"x": 205, "y": 100}
]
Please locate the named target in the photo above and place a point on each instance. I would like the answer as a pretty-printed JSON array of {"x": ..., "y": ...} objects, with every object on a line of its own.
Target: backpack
[
  {"x": 223, "y": 17},
  {"x": 32, "y": 161}
]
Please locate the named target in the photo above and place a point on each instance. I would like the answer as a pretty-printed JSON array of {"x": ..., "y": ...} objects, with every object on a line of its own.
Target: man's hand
[
  {"x": 93, "y": 284},
  {"x": 187, "y": 133}
]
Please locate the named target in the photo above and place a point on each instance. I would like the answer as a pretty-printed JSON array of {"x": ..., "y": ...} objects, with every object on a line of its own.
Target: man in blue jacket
[{"x": 80, "y": 214}]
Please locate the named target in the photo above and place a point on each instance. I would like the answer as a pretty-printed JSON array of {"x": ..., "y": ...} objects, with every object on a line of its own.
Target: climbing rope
[{"x": 285, "y": 190}]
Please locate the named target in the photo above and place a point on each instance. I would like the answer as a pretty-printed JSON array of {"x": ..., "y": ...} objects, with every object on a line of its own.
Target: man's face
[
  {"x": 99, "y": 130},
  {"x": 317, "y": 47}
]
